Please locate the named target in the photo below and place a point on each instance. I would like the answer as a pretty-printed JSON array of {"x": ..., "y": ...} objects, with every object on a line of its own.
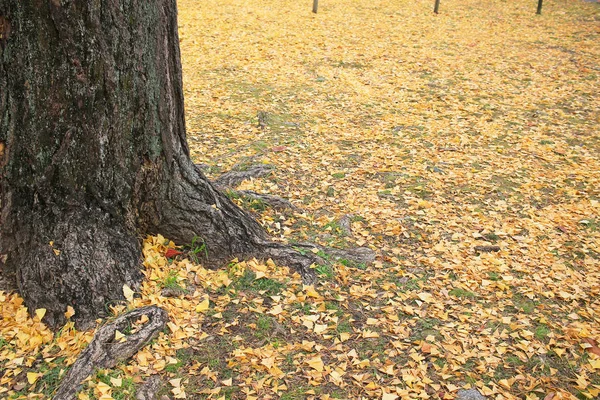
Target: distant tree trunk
[
  {"x": 436, "y": 7},
  {"x": 539, "y": 7},
  {"x": 93, "y": 154},
  {"x": 315, "y": 6}
]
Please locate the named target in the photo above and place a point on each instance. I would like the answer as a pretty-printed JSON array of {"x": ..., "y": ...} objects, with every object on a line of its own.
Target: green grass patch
[
  {"x": 127, "y": 389},
  {"x": 325, "y": 271},
  {"x": 248, "y": 281},
  {"x": 426, "y": 327},
  {"x": 52, "y": 373},
  {"x": 264, "y": 324},
  {"x": 196, "y": 249},
  {"x": 523, "y": 304},
  {"x": 494, "y": 276},
  {"x": 172, "y": 282},
  {"x": 344, "y": 327},
  {"x": 332, "y": 305},
  {"x": 353, "y": 264},
  {"x": 461, "y": 293},
  {"x": 541, "y": 332}
]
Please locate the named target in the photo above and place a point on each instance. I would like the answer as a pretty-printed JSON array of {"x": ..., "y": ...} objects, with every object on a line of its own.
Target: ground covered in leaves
[{"x": 464, "y": 148}]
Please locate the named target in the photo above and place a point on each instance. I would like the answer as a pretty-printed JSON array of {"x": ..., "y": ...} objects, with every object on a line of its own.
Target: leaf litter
[{"x": 463, "y": 147}]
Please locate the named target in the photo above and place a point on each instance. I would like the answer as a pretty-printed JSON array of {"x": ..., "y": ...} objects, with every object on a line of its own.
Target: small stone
[{"x": 469, "y": 394}]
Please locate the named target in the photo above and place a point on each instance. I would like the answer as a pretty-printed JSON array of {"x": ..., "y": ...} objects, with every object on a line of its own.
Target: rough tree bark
[{"x": 93, "y": 154}]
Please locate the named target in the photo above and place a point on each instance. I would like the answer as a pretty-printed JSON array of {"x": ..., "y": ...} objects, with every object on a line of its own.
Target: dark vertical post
[
  {"x": 436, "y": 8},
  {"x": 539, "y": 10},
  {"x": 315, "y": 5}
]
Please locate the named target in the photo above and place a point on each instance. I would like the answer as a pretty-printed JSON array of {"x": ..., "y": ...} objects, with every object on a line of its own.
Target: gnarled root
[
  {"x": 358, "y": 255},
  {"x": 275, "y": 202},
  {"x": 234, "y": 177},
  {"x": 148, "y": 390},
  {"x": 104, "y": 352}
]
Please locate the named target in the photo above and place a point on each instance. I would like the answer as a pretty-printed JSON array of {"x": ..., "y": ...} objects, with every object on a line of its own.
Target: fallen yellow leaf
[
  {"x": 203, "y": 306},
  {"x": 316, "y": 363},
  {"x": 32, "y": 377},
  {"x": 40, "y": 312},
  {"x": 128, "y": 293}
]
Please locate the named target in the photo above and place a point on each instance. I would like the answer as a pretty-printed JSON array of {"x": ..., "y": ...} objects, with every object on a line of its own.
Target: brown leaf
[
  {"x": 594, "y": 349},
  {"x": 550, "y": 396},
  {"x": 426, "y": 347}
]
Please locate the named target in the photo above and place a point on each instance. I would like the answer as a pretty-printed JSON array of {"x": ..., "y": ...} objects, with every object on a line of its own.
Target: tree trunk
[{"x": 93, "y": 154}]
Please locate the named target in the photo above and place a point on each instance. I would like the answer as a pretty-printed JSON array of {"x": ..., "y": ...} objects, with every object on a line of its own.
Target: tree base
[
  {"x": 98, "y": 157},
  {"x": 82, "y": 261}
]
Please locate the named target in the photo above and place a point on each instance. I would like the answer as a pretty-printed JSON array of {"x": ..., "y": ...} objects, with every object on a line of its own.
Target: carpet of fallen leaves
[{"x": 430, "y": 136}]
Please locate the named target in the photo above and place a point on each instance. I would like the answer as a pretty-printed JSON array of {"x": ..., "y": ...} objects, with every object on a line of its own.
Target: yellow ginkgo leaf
[
  {"x": 116, "y": 382},
  {"x": 316, "y": 363},
  {"x": 40, "y": 312},
  {"x": 70, "y": 312},
  {"x": 369, "y": 334},
  {"x": 32, "y": 377},
  {"x": 388, "y": 396},
  {"x": 203, "y": 306},
  {"x": 128, "y": 293},
  {"x": 103, "y": 388},
  {"x": 311, "y": 292},
  {"x": 426, "y": 297},
  {"x": 275, "y": 310},
  {"x": 227, "y": 382},
  {"x": 119, "y": 337}
]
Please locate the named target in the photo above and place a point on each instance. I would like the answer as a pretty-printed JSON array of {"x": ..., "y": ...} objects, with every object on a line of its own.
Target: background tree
[{"x": 94, "y": 154}]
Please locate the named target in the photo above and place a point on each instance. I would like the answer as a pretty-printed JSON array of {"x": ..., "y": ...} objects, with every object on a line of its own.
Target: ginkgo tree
[{"x": 94, "y": 155}]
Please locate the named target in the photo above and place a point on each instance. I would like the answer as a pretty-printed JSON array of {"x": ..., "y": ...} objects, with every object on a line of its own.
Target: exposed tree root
[
  {"x": 194, "y": 207},
  {"x": 149, "y": 389},
  {"x": 300, "y": 257},
  {"x": 358, "y": 255},
  {"x": 275, "y": 202},
  {"x": 486, "y": 249},
  {"x": 346, "y": 224},
  {"x": 236, "y": 176},
  {"x": 104, "y": 352},
  {"x": 284, "y": 254},
  {"x": 229, "y": 180}
]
